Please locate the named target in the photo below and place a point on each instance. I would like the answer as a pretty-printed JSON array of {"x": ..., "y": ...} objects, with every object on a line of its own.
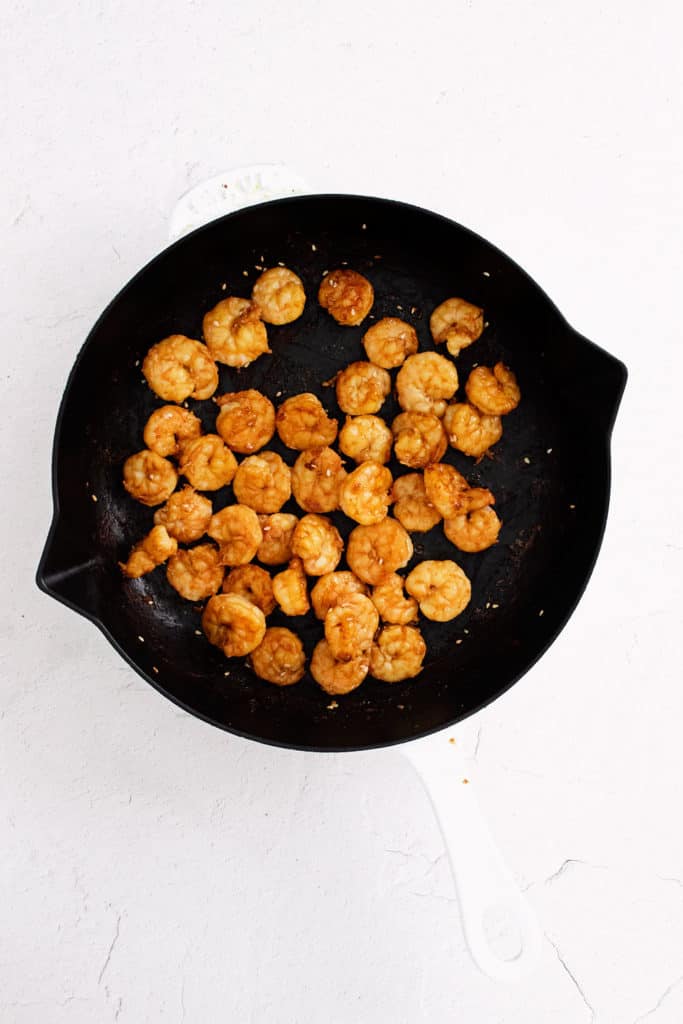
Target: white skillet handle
[{"x": 491, "y": 904}]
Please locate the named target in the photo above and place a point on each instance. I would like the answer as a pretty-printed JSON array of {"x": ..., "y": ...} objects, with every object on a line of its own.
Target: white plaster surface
[{"x": 155, "y": 869}]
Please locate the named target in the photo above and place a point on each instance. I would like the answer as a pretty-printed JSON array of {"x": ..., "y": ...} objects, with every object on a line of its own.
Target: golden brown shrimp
[
  {"x": 149, "y": 552},
  {"x": 149, "y": 478},
  {"x": 347, "y": 296},
  {"x": 289, "y": 589},
  {"x": 389, "y": 341},
  {"x": 207, "y": 463},
  {"x": 397, "y": 654},
  {"x": 279, "y": 658},
  {"x": 419, "y": 438},
  {"x": 493, "y": 391},
  {"x": 332, "y": 589},
  {"x": 168, "y": 427},
  {"x": 280, "y": 295},
  {"x": 456, "y": 322},
  {"x": 365, "y": 438},
  {"x": 235, "y": 333},
  {"x": 316, "y": 541},
  {"x": 302, "y": 423},
  {"x": 246, "y": 420},
  {"x": 196, "y": 573},
  {"x": 361, "y": 388},
  {"x": 351, "y": 626},
  {"x": 252, "y": 582},
  {"x": 375, "y": 552},
  {"x": 365, "y": 494},
  {"x": 425, "y": 383},
  {"x": 470, "y": 431},
  {"x": 412, "y": 507},
  {"x": 317, "y": 477},
  {"x": 337, "y": 677},
  {"x": 186, "y": 515},
  {"x": 450, "y": 493},
  {"x": 277, "y": 530},
  {"x": 391, "y": 602},
  {"x": 441, "y": 589},
  {"x": 178, "y": 368},
  {"x": 237, "y": 530},
  {"x": 474, "y": 531},
  {"x": 234, "y": 624},
  {"x": 263, "y": 482}
]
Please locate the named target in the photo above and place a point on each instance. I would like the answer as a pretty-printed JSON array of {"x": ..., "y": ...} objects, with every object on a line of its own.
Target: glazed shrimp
[
  {"x": 361, "y": 388},
  {"x": 149, "y": 552},
  {"x": 277, "y": 530},
  {"x": 337, "y": 677},
  {"x": 397, "y": 654},
  {"x": 474, "y": 531},
  {"x": 389, "y": 341},
  {"x": 196, "y": 573},
  {"x": 391, "y": 602},
  {"x": 495, "y": 392},
  {"x": 332, "y": 589},
  {"x": 470, "y": 431},
  {"x": 450, "y": 493},
  {"x": 263, "y": 482},
  {"x": 425, "y": 383},
  {"x": 168, "y": 427},
  {"x": 148, "y": 478},
  {"x": 234, "y": 624},
  {"x": 365, "y": 438},
  {"x": 251, "y": 582},
  {"x": 246, "y": 420},
  {"x": 351, "y": 626},
  {"x": 207, "y": 463},
  {"x": 317, "y": 477},
  {"x": 302, "y": 423},
  {"x": 280, "y": 295},
  {"x": 347, "y": 296},
  {"x": 316, "y": 541},
  {"x": 458, "y": 323},
  {"x": 375, "y": 552},
  {"x": 441, "y": 589},
  {"x": 419, "y": 439},
  {"x": 365, "y": 494},
  {"x": 289, "y": 589},
  {"x": 412, "y": 507},
  {"x": 279, "y": 658},
  {"x": 186, "y": 515},
  {"x": 178, "y": 368},
  {"x": 237, "y": 530},
  {"x": 234, "y": 332}
]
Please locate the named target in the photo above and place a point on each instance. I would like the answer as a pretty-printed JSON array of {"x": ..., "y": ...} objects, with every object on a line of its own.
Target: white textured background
[{"x": 156, "y": 869}]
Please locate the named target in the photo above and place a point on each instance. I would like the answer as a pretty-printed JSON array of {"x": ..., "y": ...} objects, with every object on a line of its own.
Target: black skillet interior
[{"x": 550, "y": 472}]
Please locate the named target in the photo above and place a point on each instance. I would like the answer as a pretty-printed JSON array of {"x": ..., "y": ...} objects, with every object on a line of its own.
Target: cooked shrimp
[
  {"x": 337, "y": 677},
  {"x": 419, "y": 438},
  {"x": 318, "y": 544},
  {"x": 365, "y": 494},
  {"x": 186, "y": 515},
  {"x": 495, "y": 392},
  {"x": 246, "y": 420},
  {"x": 207, "y": 463},
  {"x": 235, "y": 333},
  {"x": 280, "y": 295},
  {"x": 168, "y": 427},
  {"x": 263, "y": 482},
  {"x": 237, "y": 530},
  {"x": 149, "y": 552},
  {"x": 474, "y": 531},
  {"x": 426, "y": 382},
  {"x": 412, "y": 507},
  {"x": 332, "y": 589},
  {"x": 178, "y": 368},
  {"x": 391, "y": 602},
  {"x": 289, "y": 589},
  {"x": 375, "y": 552},
  {"x": 347, "y": 296},
  {"x": 450, "y": 493},
  {"x": 361, "y": 388},
  {"x": 149, "y": 478},
  {"x": 317, "y": 477},
  {"x": 234, "y": 624},
  {"x": 389, "y": 341},
  {"x": 252, "y": 582},
  {"x": 302, "y": 423},
  {"x": 196, "y": 573},
  {"x": 277, "y": 530},
  {"x": 458, "y": 323},
  {"x": 441, "y": 589},
  {"x": 470, "y": 431},
  {"x": 351, "y": 626},
  {"x": 279, "y": 658},
  {"x": 397, "y": 654},
  {"x": 365, "y": 438}
]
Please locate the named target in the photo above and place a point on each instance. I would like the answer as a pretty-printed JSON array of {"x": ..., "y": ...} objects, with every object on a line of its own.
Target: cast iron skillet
[{"x": 550, "y": 473}]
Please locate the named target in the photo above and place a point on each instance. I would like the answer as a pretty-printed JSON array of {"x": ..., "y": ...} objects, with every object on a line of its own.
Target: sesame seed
[
  {"x": 413, "y": 310},
  {"x": 452, "y": 740},
  {"x": 495, "y": 606},
  {"x": 277, "y": 394},
  {"x": 458, "y": 641},
  {"x": 245, "y": 273},
  {"x": 314, "y": 247},
  {"x": 572, "y": 506},
  {"x": 488, "y": 604},
  {"x": 363, "y": 227},
  {"x": 94, "y": 497},
  {"x": 399, "y": 307},
  {"x": 280, "y": 263},
  {"x": 527, "y": 460},
  {"x": 224, "y": 286},
  {"x": 325, "y": 273},
  {"x": 262, "y": 259},
  {"x": 332, "y": 706},
  {"x": 137, "y": 362},
  {"x": 549, "y": 451},
  {"x": 401, "y": 707},
  {"x": 465, "y": 630},
  {"x": 257, "y": 266},
  {"x": 216, "y": 323},
  {"x": 226, "y": 673},
  {"x": 486, "y": 273},
  {"x": 155, "y": 670},
  {"x": 540, "y": 613},
  {"x": 465, "y": 782},
  {"x": 197, "y": 632},
  {"x": 141, "y": 639},
  {"x": 486, "y": 323}
]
